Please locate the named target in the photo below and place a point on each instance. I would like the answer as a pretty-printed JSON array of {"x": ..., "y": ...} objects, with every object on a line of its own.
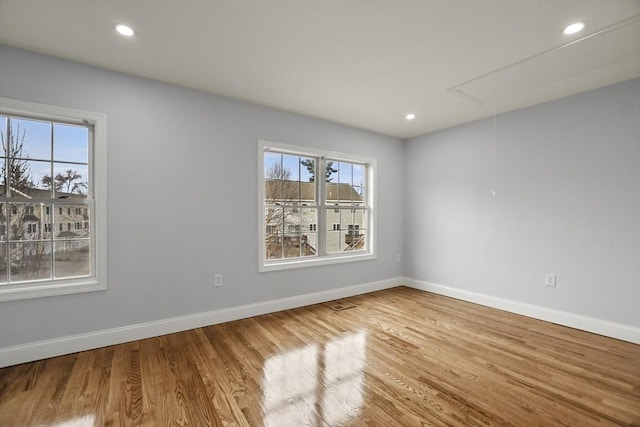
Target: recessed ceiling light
[
  {"x": 574, "y": 28},
  {"x": 125, "y": 30},
  {"x": 410, "y": 116}
]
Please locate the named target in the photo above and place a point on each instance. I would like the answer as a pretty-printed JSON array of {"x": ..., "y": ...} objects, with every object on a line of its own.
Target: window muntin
[
  {"x": 49, "y": 244},
  {"x": 306, "y": 220}
]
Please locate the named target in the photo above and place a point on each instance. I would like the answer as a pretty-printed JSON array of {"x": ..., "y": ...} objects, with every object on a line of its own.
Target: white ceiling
[{"x": 361, "y": 63}]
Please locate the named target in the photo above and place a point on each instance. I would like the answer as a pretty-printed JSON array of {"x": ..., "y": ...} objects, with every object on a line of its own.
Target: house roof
[
  {"x": 37, "y": 193},
  {"x": 67, "y": 234},
  {"x": 305, "y": 191}
]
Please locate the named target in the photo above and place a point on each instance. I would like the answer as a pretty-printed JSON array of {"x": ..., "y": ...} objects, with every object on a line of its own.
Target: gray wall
[
  {"x": 568, "y": 203},
  {"x": 182, "y": 199}
]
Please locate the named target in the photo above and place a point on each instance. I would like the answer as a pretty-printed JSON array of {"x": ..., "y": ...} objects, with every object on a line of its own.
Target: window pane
[
  {"x": 330, "y": 171},
  {"x": 3, "y": 263},
  {"x": 309, "y": 243},
  {"x": 71, "y": 221},
  {"x": 354, "y": 238},
  {"x": 29, "y": 139},
  {"x": 307, "y": 181},
  {"x": 309, "y": 220},
  {"x": 72, "y": 258},
  {"x": 290, "y": 192},
  {"x": 3, "y": 177},
  {"x": 333, "y": 242},
  {"x": 3, "y": 134},
  {"x": 3, "y": 246},
  {"x": 273, "y": 223},
  {"x": 30, "y": 261},
  {"x": 291, "y": 244},
  {"x": 307, "y": 169},
  {"x": 292, "y": 220},
  {"x": 26, "y": 178},
  {"x": 290, "y": 167},
  {"x": 332, "y": 219},
  {"x": 345, "y": 180},
  {"x": 3, "y": 222},
  {"x": 275, "y": 176},
  {"x": 333, "y": 226},
  {"x": 345, "y": 173},
  {"x": 360, "y": 218},
  {"x": 70, "y": 143},
  {"x": 346, "y": 218},
  {"x": 289, "y": 175},
  {"x": 331, "y": 195},
  {"x": 358, "y": 195},
  {"x": 29, "y": 221},
  {"x": 309, "y": 229},
  {"x": 349, "y": 195},
  {"x": 70, "y": 180},
  {"x": 272, "y": 165},
  {"x": 359, "y": 175},
  {"x": 21, "y": 221}
]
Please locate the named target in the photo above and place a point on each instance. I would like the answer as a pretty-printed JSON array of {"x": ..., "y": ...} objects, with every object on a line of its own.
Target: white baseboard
[
  {"x": 589, "y": 324},
  {"x": 70, "y": 344}
]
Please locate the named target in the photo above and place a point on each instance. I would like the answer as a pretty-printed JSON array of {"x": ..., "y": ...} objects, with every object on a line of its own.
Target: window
[
  {"x": 309, "y": 221},
  {"x": 52, "y": 163}
]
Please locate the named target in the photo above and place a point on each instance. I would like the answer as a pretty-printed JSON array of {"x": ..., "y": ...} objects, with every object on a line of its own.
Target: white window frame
[
  {"x": 98, "y": 175},
  {"x": 322, "y": 258}
]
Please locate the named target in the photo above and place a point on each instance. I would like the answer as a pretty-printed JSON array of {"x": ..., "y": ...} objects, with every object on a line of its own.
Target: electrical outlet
[
  {"x": 217, "y": 279},
  {"x": 550, "y": 280},
  {"x": 398, "y": 258}
]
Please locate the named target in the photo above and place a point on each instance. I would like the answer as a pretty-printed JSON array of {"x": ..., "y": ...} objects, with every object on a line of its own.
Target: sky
[{"x": 348, "y": 173}]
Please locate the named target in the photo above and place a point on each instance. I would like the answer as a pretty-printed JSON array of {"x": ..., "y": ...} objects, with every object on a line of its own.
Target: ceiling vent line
[{"x": 456, "y": 90}]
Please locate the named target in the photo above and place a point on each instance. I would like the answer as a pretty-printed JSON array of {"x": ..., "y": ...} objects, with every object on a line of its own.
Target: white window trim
[
  {"x": 98, "y": 153},
  {"x": 287, "y": 264}
]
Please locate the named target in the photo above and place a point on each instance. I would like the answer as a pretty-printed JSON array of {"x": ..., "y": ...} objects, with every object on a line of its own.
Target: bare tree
[
  {"x": 15, "y": 173},
  {"x": 70, "y": 182}
]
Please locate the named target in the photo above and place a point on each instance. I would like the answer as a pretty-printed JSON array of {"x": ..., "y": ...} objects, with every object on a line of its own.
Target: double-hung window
[
  {"x": 52, "y": 175},
  {"x": 315, "y": 207}
]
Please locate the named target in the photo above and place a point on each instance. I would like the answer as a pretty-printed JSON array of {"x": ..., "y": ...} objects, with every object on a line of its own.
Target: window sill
[
  {"x": 40, "y": 289},
  {"x": 314, "y": 262}
]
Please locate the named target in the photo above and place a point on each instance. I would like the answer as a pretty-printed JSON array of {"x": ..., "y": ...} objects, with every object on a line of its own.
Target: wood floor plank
[{"x": 399, "y": 357}]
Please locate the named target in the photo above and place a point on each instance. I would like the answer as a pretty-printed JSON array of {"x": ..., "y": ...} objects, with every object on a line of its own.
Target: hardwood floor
[{"x": 399, "y": 357}]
